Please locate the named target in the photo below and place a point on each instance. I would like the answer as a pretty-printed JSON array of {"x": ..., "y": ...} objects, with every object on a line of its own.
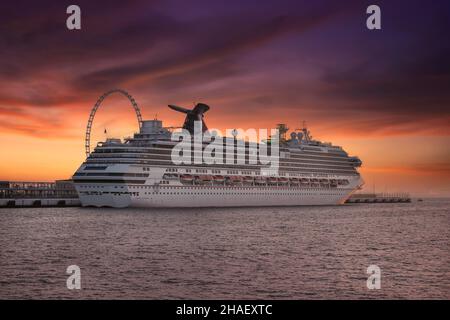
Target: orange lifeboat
[
  {"x": 218, "y": 179},
  {"x": 260, "y": 180},
  {"x": 304, "y": 180},
  {"x": 186, "y": 178},
  {"x": 248, "y": 179},
  {"x": 283, "y": 180},
  {"x": 203, "y": 179},
  {"x": 295, "y": 180},
  {"x": 273, "y": 180},
  {"x": 169, "y": 176},
  {"x": 234, "y": 179}
]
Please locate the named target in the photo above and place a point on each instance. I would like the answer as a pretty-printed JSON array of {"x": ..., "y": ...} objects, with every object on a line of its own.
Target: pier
[
  {"x": 60, "y": 193},
  {"x": 379, "y": 198}
]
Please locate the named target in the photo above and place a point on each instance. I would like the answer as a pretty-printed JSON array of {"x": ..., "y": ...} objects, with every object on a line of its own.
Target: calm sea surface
[{"x": 258, "y": 253}]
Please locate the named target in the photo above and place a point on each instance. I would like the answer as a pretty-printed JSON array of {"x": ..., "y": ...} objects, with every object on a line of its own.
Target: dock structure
[
  {"x": 379, "y": 198},
  {"x": 60, "y": 193}
]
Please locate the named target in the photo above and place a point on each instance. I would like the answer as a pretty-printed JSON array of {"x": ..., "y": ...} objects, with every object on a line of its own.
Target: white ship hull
[
  {"x": 121, "y": 196},
  {"x": 222, "y": 198}
]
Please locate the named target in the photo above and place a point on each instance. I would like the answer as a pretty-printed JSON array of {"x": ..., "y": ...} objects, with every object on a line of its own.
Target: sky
[{"x": 384, "y": 95}]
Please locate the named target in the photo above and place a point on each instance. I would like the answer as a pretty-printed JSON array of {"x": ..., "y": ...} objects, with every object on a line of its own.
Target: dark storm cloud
[
  {"x": 42, "y": 39},
  {"x": 392, "y": 91},
  {"x": 121, "y": 42},
  {"x": 206, "y": 42},
  {"x": 35, "y": 43},
  {"x": 406, "y": 71}
]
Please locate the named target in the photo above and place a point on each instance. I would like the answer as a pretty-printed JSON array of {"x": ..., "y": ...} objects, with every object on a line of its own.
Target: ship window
[{"x": 95, "y": 168}]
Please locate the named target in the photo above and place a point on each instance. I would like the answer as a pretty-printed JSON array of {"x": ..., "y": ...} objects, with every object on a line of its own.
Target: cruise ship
[{"x": 139, "y": 171}]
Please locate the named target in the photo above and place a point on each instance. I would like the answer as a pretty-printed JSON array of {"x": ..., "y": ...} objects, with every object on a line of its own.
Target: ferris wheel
[{"x": 95, "y": 108}]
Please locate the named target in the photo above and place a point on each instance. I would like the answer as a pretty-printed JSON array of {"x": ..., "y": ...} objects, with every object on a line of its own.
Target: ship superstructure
[{"x": 140, "y": 172}]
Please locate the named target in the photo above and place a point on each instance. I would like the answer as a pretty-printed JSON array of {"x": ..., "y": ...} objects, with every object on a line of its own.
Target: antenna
[{"x": 305, "y": 131}]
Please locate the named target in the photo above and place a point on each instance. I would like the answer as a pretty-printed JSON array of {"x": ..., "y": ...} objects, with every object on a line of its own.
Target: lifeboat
[
  {"x": 273, "y": 180},
  {"x": 294, "y": 180},
  {"x": 234, "y": 179},
  {"x": 283, "y": 180},
  {"x": 333, "y": 182},
  {"x": 170, "y": 176},
  {"x": 260, "y": 180},
  {"x": 186, "y": 178},
  {"x": 324, "y": 181},
  {"x": 203, "y": 179},
  {"x": 304, "y": 180},
  {"x": 248, "y": 179},
  {"x": 218, "y": 179}
]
